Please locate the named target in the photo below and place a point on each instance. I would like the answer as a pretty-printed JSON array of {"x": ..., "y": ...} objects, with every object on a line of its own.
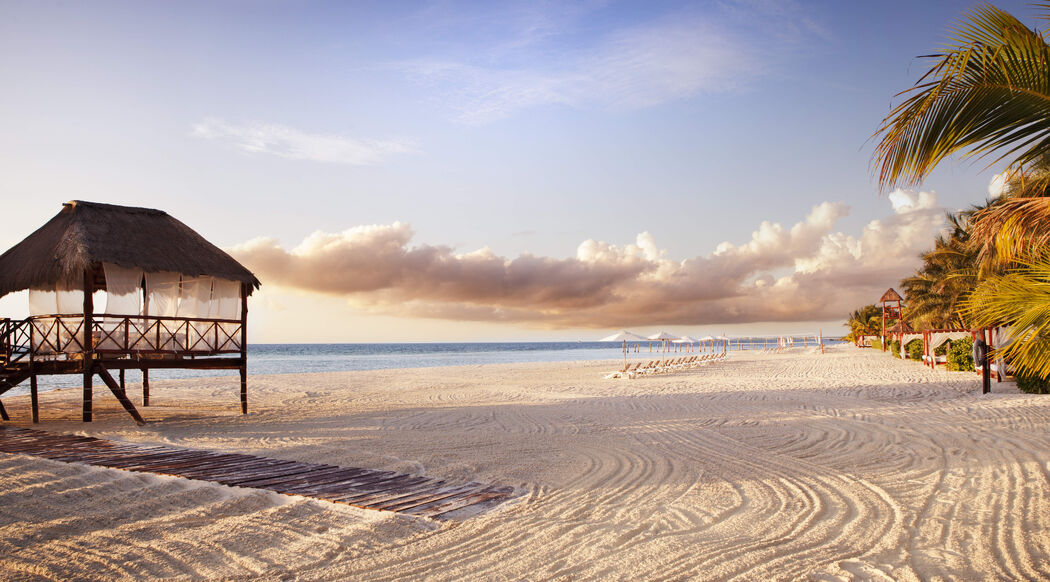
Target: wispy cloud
[
  {"x": 287, "y": 142},
  {"x": 804, "y": 272},
  {"x": 674, "y": 57}
]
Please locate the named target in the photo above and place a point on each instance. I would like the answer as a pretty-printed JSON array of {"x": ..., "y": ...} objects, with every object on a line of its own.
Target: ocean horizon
[{"x": 307, "y": 358}]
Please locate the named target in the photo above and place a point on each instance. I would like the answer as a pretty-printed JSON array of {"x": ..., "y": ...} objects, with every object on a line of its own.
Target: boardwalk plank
[{"x": 373, "y": 489}]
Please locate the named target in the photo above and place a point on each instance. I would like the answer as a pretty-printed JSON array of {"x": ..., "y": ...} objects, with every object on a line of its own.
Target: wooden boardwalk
[{"x": 370, "y": 489}]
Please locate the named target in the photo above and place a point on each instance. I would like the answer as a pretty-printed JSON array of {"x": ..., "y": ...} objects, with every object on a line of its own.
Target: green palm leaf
[
  {"x": 988, "y": 92},
  {"x": 1022, "y": 300}
]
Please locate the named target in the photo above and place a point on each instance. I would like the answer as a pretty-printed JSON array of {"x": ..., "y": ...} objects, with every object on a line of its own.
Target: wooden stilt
[
  {"x": 88, "y": 360},
  {"x": 244, "y": 348},
  {"x": 122, "y": 386},
  {"x": 244, "y": 389},
  {"x": 33, "y": 401},
  {"x": 117, "y": 391},
  {"x": 3, "y": 412}
]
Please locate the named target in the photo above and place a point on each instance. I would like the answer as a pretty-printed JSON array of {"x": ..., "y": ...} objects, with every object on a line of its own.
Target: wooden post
[
  {"x": 122, "y": 385},
  {"x": 88, "y": 362},
  {"x": 244, "y": 348},
  {"x": 145, "y": 386},
  {"x": 108, "y": 380},
  {"x": 33, "y": 402}
]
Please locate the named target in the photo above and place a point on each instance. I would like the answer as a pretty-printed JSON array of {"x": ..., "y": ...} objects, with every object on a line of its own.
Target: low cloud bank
[{"x": 803, "y": 273}]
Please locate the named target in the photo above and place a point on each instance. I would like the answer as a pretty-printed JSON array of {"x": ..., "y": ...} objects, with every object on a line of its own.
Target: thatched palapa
[{"x": 173, "y": 300}]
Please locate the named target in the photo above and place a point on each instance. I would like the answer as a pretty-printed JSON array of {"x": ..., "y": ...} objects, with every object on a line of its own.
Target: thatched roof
[
  {"x": 890, "y": 295},
  {"x": 85, "y": 234},
  {"x": 900, "y": 327}
]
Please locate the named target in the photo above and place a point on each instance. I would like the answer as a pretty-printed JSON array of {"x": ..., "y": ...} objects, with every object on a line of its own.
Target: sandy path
[{"x": 847, "y": 465}]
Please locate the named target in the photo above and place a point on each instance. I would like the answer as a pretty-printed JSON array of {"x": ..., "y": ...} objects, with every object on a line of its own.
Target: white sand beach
[{"x": 848, "y": 465}]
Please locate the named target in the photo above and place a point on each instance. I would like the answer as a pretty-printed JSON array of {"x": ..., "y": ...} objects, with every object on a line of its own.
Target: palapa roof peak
[
  {"x": 86, "y": 234},
  {"x": 890, "y": 295}
]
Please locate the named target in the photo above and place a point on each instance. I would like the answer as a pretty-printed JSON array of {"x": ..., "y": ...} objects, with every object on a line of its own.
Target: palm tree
[
  {"x": 935, "y": 293},
  {"x": 988, "y": 94},
  {"x": 864, "y": 321}
]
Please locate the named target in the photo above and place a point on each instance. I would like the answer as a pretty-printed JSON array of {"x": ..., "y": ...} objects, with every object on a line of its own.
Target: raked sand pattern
[{"x": 848, "y": 465}]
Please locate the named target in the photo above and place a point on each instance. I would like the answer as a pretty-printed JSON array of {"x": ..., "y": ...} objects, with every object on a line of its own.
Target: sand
[{"x": 848, "y": 465}]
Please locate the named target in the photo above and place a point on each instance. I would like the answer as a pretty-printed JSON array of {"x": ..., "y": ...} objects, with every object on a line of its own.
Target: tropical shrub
[
  {"x": 915, "y": 348},
  {"x": 1033, "y": 384},
  {"x": 876, "y": 344},
  {"x": 960, "y": 355},
  {"x": 941, "y": 349},
  {"x": 895, "y": 348}
]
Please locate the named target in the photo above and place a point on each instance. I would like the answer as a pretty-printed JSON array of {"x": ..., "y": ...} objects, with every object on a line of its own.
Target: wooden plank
[
  {"x": 485, "y": 496},
  {"x": 373, "y": 489},
  {"x": 426, "y": 498}
]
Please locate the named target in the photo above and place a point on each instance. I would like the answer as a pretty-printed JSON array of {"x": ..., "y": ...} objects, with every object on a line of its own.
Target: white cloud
[
  {"x": 287, "y": 142},
  {"x": 676, "y": 57},
  {"x": 997, "y": 185},
  {"x": 803, "y": 273}
]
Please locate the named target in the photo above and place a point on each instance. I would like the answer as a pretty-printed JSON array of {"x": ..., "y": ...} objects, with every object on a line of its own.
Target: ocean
[{"x": 310, "y": 358}]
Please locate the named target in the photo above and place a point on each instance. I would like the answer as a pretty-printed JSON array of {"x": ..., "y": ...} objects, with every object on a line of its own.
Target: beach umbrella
[
  {"x": 624, "y": 336},
  {"x": 686, "y": 340},
  {"x": 662, "y": 337},
  {"x": 707, "y": 338}
]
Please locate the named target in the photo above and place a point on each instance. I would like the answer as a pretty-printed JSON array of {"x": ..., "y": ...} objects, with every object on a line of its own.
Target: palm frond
[
  {"x": 1020, "y": 299},
  {"x": 987, "y": 93},
  {"x": 1003, "y": 232}
]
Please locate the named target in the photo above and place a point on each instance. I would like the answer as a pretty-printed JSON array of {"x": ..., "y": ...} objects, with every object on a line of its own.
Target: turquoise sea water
[{"x": 308, "y": 358}]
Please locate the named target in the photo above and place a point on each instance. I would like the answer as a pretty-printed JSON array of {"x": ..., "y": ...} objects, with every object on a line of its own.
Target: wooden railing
[{"x": 63, "y": 335}]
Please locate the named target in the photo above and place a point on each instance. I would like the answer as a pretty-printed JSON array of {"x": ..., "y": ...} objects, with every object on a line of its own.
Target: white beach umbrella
[
  {"x": 662, "y": 337},
  {"x": 624, "y": 336},
  {"x": 686, "y": 340}
]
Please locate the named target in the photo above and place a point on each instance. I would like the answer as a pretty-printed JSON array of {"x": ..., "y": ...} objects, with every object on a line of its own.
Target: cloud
[
  {"x": 997, "y": 185},
  {"x": 805, "y": 272},
  {"x": 290, "y": 143},
  {"x": 675, "y": 57}
]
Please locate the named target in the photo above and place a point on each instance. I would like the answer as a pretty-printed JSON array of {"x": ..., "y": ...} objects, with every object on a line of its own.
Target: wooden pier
[{"x": 365, "y": 488}]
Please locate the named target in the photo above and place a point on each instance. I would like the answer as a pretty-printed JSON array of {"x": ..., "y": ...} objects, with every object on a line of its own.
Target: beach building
[{"x": 113, "y": 288}]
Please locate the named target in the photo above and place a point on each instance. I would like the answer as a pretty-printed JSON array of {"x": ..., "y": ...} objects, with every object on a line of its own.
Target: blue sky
[{"x": 521, "y": 129}]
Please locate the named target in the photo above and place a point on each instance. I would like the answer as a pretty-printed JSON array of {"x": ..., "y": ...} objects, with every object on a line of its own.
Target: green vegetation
[
  {"x": 865, "y": 321},
  {"x": 894, "y": 348},
  {"x": 1033, "y": 384},
  {"x": 986, "y": 94},
  {"x": 914, "y": 349},
  {"x": 960, "y": 355},
  {"x": 876, "y": 344}
]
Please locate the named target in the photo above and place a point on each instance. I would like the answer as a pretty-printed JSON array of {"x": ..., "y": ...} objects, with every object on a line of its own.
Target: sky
[{"x": 485, "y": 171}]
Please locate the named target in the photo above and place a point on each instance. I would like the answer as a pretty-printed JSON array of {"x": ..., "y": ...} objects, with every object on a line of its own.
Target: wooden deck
[{"x": 370, "y": 489}]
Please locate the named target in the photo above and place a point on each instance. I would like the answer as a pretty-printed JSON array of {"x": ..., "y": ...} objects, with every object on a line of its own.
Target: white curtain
[
  {"x": 163, "y": 294},
  {"x": 938, "y": 338},
  {"x": 43, "y": 302},
  {"x": 123, "y": 290},
  {"x": 70, "y": 301},
  {"x": 226, "y": 304},
  {"x": 162, "y": 300},
  {"x": 53, "y": 334},
  {"x": 197, "y": 303},
  {"x": 196, "y": 297}
]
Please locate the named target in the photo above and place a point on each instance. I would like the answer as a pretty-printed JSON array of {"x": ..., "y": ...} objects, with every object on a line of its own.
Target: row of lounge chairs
[{"x": 664, "y": 366}]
